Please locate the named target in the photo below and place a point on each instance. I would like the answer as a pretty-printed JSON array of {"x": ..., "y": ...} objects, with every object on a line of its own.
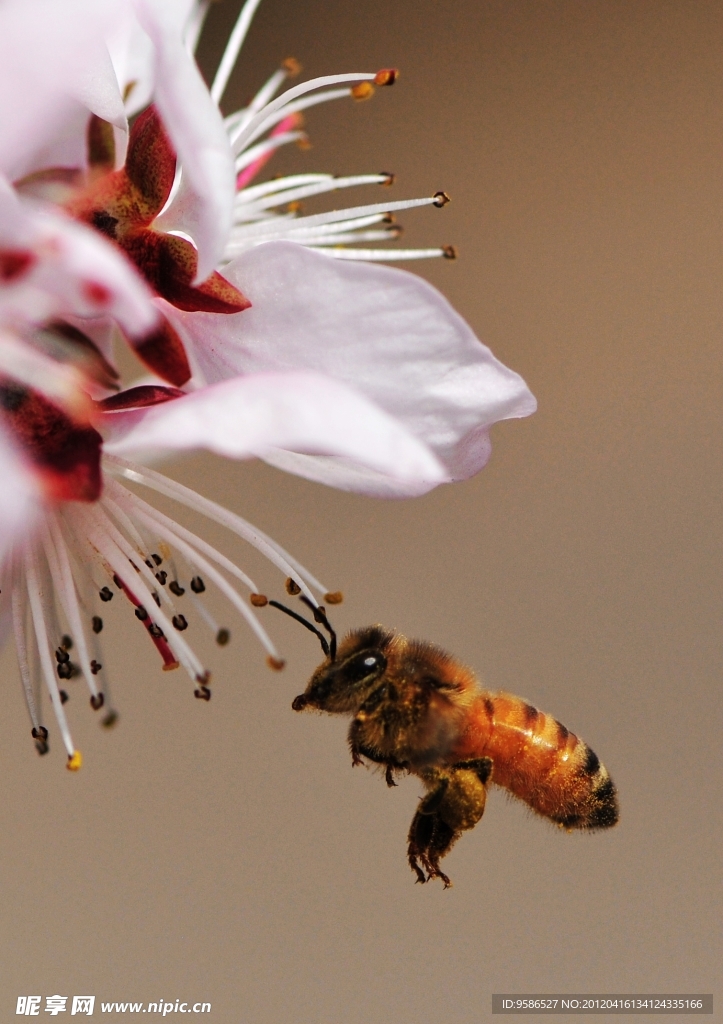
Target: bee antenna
[
  {"x": 304, "y": 622},
  {"x": 319, "y": 614}
]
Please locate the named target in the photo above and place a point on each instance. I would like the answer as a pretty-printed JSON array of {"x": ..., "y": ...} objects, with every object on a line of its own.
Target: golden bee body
[{"x": 417, "y": 709}]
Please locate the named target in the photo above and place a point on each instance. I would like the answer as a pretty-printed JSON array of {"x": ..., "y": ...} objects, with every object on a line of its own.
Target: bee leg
[
  {"x": 481, "y": 766},
  {"x": 430, "y": 837}
]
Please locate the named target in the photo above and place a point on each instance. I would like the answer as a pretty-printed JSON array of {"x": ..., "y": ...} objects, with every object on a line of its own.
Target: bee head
[{"x": 342, "y": 684}]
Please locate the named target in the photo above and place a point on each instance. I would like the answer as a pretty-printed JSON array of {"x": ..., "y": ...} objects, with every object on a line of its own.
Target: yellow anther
[
  {"x": 336, "y": 597},
  {"x": 275, "y": 663},
  {"x": 292, "y": 587},
  {"x": 387, "y": 76},
  {"x": 75, "y": 761},
  {"x": 258, "y": 600},
  {"x": 304, "y": 143},
  {"x": 363, "y": 91},
  {"x": 291, "y": 66}
]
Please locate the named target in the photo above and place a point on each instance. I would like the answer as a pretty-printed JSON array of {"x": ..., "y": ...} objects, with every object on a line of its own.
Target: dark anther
[
  {"x": 449, "y": 252},
  {"x": 62, "y": 656},
  {"x": 156, "y": 558},
  {"x": 258, "y": 600},
  {"x": 292, "y": 587},
  {"x": 179, "y": 622},
  {"x": 149, "y": 563},
  {"x": 41, "y": 733},
  {"x": 197, "y": 585},
  {"x": 66, "y": 641},
  {"x": 95, "y": 667},
  {"x": 162, "y": 576},
  {"x": 141, "y": 613},
  {"x": 109, "y": 719},
  {"x": 440, "y": 199},
  {"x": 389, "y": 177},
  {"x": 156, "y": 598},
  {"x": 97, "y": 701},
  {"x": 97, "y": 624},
  {"x": 63, "y": 696},
  {"x": 118, "y": 582},
  {"x": 222, "y": 637},
  {"x": 203, "y": 693},
  {"x": 156, "y": 631},
  {"x": 175, "y": 587},
  {"x": 106, "y": 594},
  {"x": 65, "y": 670}
]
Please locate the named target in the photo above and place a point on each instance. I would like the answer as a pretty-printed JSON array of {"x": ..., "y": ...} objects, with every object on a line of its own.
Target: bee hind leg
[{"x": 429, "y": 839}]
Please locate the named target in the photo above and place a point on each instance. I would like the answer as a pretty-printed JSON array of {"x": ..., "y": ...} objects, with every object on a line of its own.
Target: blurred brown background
[{"x": 227, "y": 851}]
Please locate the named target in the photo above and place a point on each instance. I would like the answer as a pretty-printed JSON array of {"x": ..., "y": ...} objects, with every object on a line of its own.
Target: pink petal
[
  {"x": 70, "y": 269},
  {"x": 302, "y": 412},
  {"x": 385, "y": 332},
  {"x": 20, "y": 498}
]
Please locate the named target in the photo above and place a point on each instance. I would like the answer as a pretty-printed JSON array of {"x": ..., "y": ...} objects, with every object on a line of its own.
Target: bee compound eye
[
  {"x": 363, "y": 665},
  {"x": 371, "y": 661}
]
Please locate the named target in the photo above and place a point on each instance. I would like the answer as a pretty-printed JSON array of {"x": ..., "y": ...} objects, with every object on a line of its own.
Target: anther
[
  {"x": 65, "y": 670},
  {"x": 156, "y": 558},
  {"x": 197, "y": 585},
  {"x": 387, "y": 76},
  {"x": 441, "y": 199},
  {"x": 41, "y": 733},
  {"x": 336, "y": 597},
  {"x": 106, "y": 594},
  {"x": 175, "y": 587},
  {"x": 203, "y": 693},
  {"x": 389, "y": 178},
  {"x": 275, "y": 663},
  {"x": 95, "y": 667},
  {"x": 66, "y": 642},
  {"x": 42, "y": 747},
  {"x": 179, "y": 622},
  {"x": 149, "y": 563},
  {"x": 222, "y": 637},
  {"x": 156, "y": 631},
  {"x": 62, "y": 656},
  {"x": 97, "y": 701},
  {"x": 291, "y": 66},
  {"x": 292, "y": 587},
  {"x": 363, "y": 91},
  {"x": 109, "y": 719},
  {"x": 162, "y": 576},
  {"x": 64, "y": 698},
  {"x": 258, "y": 600},
  {"x": 97, "y": 623},
  {"x": 141, "y": 613},
  {"x": 118, "y": 582},
  {"x": 449, "y": 251},
  {"x": 204, "y": 678},
  {"x": 75, "y": 761},
  {"x": 156, "y": 598}
]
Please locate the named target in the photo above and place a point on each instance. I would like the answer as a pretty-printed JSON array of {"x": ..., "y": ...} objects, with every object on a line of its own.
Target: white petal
[
  {"x": 384, "y": 331},
  {"x": 43, "y": 44},
  {"x": 303, "y": 412},
  {"x": 196, "y": 129}
]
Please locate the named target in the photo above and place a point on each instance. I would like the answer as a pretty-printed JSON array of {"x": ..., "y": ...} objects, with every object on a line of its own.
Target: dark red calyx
[
  {"x": 169, "y": 265},
  {"x": 139, "y": 398},
  {"x": 66, "y": 455},
  {"x": 67, "y": 344},
  {"x": 162, "y": 351},
  {"x": 14, "y": 263},
  {"x": 101, "y": 145},
  {"x": 150, "y": 161}
]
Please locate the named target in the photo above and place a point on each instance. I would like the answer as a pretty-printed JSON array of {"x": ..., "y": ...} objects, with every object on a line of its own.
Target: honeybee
[{"x": 416, "y": 709}]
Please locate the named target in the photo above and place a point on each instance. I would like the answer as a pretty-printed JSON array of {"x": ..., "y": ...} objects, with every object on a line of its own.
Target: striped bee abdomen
[{"x": 541, "y": 762}]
